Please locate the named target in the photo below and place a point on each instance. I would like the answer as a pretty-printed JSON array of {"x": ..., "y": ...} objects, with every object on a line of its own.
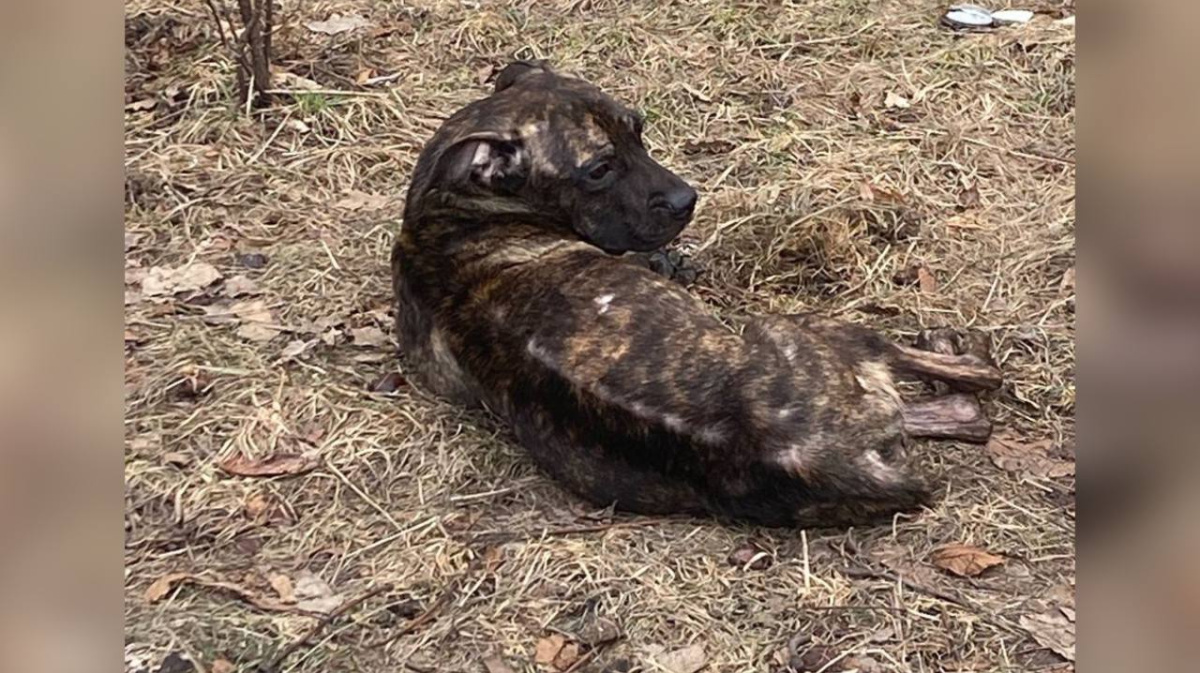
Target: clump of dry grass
[{"x": 816, "y": 196}]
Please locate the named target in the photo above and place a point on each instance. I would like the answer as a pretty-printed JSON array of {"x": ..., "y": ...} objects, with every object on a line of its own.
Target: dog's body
[{"x": 621, "y": 385}]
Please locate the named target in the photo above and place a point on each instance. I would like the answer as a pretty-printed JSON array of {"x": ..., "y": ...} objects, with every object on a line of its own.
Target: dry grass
[{"x": 776, "y": 111}]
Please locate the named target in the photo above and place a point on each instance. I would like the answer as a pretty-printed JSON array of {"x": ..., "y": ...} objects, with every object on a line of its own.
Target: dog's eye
[{"x": 599, "y": 171}]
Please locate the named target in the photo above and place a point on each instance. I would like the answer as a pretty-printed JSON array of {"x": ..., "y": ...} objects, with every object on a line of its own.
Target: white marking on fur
[
  {"x": 603, "y": 301},
  {"x": 879, "y": 469},
  {"x": 875, "y": 377}
]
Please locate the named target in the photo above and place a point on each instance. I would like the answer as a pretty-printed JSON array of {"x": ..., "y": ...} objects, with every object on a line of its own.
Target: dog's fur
[{"x": 621, "y": 385}]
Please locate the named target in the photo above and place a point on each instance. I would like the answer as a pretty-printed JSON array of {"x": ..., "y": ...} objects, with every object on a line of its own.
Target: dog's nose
[{"x": 678, "y": 202}]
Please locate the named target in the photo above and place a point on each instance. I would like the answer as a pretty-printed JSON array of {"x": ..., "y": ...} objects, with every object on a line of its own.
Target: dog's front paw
[{"x": 669, "y": 263}]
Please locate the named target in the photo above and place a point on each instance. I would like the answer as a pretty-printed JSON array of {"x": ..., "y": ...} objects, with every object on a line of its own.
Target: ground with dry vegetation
[{"x": 854, "y": 157}]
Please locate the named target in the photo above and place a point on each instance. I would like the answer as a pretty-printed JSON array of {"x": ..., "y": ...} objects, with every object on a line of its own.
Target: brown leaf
[
  {"x": 1035, "y": 459},
  {"x": 257, "y": 505},
  {"x": 176, "y": 458},
  {"x": 926, "y": 280},
  {"x": 314, "y": 594},
  {"x": 280, "y": 464},
  {"x": 964, "y": 560},
  {"x": 370, "y": 337},
  {"x": 876, "y": 194},
  {"x": 240, "y": 285},
  {"x": 895, "y": 100},
  {"x": 163, "y": 586},
  {"x": 484, "y": 74},
  {"x": 1053, "y": 630},
  {"x": 969, "y": 198},
  {"x": 1067, "y": 284},
  {"x": 750, "y": 556},
  {"x": 222, "y": 666},
  {"x": 161, "y": 282},
  {"x": 282, "y": 584},
  {"x": 132, "y": 339},
  {"x": 364, "y": 76},
  {"x": 337, "y": 23},
  {"x": 258, "y": 323},
  {"x": 132, "y": 240},
  {"x": 684, "y": 660},
  {"x": 495, "y": 664},
  {"x": 141, "y": 105},
  {"x": 294, "y": 349},
  {"x": 548, "y": 648},
  {"x": 567, "y": 656},
  {"x": 356, "y": 200}
]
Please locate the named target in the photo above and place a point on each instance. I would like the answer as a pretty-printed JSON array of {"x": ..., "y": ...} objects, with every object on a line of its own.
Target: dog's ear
[
  {"x": 485, "y": 161},
  {"x": 518, "y": 69}
]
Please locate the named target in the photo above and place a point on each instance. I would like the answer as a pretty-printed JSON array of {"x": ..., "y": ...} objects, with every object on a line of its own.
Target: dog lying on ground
[{"x": 622, "y": 386}]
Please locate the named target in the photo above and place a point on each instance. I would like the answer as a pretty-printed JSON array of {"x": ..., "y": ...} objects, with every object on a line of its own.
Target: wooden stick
[
  {"x": 955, "y": 416},
  {"x": 968, "y": 371}
]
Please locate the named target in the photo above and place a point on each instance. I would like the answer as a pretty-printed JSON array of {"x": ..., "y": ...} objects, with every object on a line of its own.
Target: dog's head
[{"x": 559, "y": 151}]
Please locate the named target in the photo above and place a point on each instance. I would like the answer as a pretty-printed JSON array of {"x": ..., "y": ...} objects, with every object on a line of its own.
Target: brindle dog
[{"x": 620, "y": 384}]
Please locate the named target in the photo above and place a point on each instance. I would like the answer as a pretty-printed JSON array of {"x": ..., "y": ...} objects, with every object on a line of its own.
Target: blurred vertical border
[{"x": 60, "y": 335}]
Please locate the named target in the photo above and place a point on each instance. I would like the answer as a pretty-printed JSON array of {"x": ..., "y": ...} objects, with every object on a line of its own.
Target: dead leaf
[
  {"x": 895, "y": 100},
  {"x": 132, "y": 339},
  {"x": 596, "y": 631},
  {"x": 1034, "y": 459},
  {"x": 548, "y": 648},
  {"x": 314, "y": 594},
  {"x": 177, "y": 459},
  {"x": 219, "y": 313},
  {"x": 369, "y": 337},
  {"x": 240, "y": 285},
  {"x": 1067, "y": 284},
  {"x": 567, "y": 656},
  {"x": 280, "y": 464},
  {"x": 484, "y": 74},
  {"x": 258, "y": 323},
  {"x": 294, "y": 349},
  {"x": 364, "y": 76},
  {"x": 282, "y": 584},
  {"x": 257, "y": 505},
  {"x": 163, "y": 586},
  {"x": 964, "y": 560},
  {"x": 495, "y": 664},
  {"x": 876, "y": 194},
  {"x": 356, "y": 200},
  {"x": 132, "y": 240},
  {"x": 685, "y": 660},
  {"x": 388, "y": 383},
  {"x": 222, "y": 666},
  {"x": 1053, "y": 630},
  {"x": 337, "y": 24},
  {"x": 969, "y": 198},
  {"x": 750, "y": 556},
  {"x": 292, "y": 82},
  {"x": 162, "y": 282},
  {"x": 141, "y": 105},
  {"x": 926, "y": 280}
]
